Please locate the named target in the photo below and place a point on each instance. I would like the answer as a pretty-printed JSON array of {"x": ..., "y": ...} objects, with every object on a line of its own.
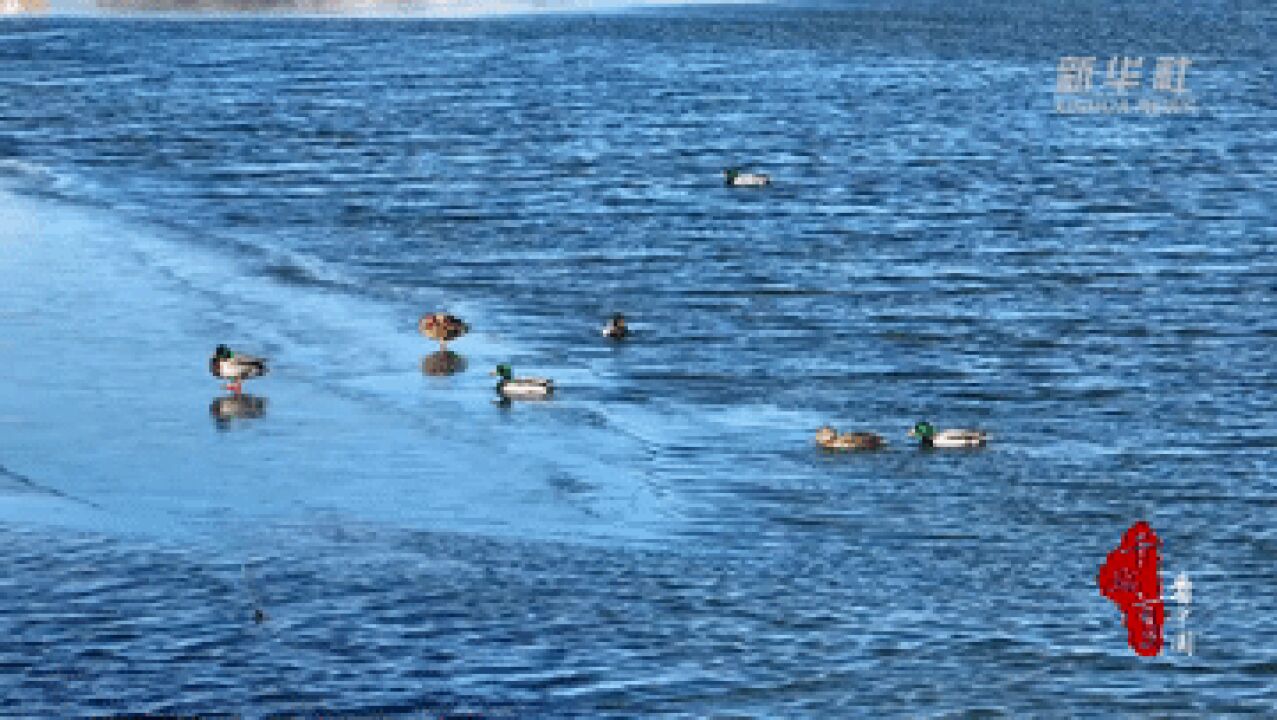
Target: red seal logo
[{"x": 1129, "y": 578}]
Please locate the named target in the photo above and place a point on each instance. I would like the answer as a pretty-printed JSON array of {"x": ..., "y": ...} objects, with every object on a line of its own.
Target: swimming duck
[
  {"x": 829, "y": 439},
  {"x": 735, "y": 178},
  {"x": 236, "y": 367},
  {"x": 442, "y": 327},
  {"x": 928, "y": 437},
  {"x": 512, "y": 388},
  {"x": 616, "y": 327}
]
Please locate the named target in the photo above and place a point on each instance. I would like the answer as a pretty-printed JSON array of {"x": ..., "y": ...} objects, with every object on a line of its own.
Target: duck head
[
  {"x": 222, "y": 352},
  {"x": 504, "y": 372},
  {"x": 730, "y": 175},
  {"x": 826, "y": 435},
  {"x": 923, "y": 430}
]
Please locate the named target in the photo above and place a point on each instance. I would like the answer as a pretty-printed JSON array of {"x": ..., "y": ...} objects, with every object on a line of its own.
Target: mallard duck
[
  {"x": 928, "y": 437},
  {"x": 735, "y": 178},
  {"x": 512, "y": 388},
  {"x": 235, "y": 367},
  {"x": 442, "y": 327},
  {"x": 828, "y": 438},
  {"x": 616, "y": 327}
]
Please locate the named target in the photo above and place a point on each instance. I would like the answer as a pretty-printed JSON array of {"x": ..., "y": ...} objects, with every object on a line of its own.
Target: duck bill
[{"x": 912, "y": 433}]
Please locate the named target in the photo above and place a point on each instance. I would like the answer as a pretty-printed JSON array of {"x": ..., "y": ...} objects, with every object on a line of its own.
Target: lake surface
[{"x": 1098, "y": 291}]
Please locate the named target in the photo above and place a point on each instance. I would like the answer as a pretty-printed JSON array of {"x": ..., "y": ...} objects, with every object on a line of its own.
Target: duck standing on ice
[
  {"x": 235, "y": 367},
  {"x": 442, "y": 327}
]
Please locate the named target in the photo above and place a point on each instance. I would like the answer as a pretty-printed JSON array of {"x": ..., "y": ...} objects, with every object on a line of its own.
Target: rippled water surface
[{"x": 1099, "y": 292}]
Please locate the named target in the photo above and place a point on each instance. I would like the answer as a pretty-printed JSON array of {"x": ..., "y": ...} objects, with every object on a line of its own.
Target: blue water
[{"x": 1099, "y": 292}]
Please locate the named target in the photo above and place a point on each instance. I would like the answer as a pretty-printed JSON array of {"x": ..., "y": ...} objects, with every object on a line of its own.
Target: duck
[
  {"x": 511, "y": 388},
  {"x": 616, "y": 328},
  {"x": 829, "y": 439},
  {"x": 735, "y": 178},
  {"x": 235, "y": 367},
  {"x": 442, "y": 327},
  {"x": 929, "y": 437}
]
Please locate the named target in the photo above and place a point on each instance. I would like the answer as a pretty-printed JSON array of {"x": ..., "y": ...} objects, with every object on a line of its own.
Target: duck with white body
[
  {"x": 235, "y": 367},
  {"x": 929, "y": 437},
  {"x": 511, "y": 388},
  {"x": 735, "y": 177}
]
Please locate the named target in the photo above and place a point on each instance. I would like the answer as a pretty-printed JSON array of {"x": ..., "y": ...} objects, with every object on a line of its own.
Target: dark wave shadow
[
  {"x": 443, "y": 362},
  {"x": 229, "y": 408},
  {"x": 33, "y": 485}
]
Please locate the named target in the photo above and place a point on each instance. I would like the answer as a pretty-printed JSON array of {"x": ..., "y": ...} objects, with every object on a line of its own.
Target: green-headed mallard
[
  {"x": 928, "y": 437},
  {"x": 616, "y": 327},
  {"x": 442, "y": 327},
  {"x": 829, "y": 439},
  {"x": 734, "y": 177},
  {"x": 235, "y": 367},
  {"x": 511, "y": 388}
]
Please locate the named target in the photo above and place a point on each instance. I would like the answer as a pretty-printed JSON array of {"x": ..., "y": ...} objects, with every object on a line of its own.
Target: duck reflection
[
  {"x": 229, "y": 408},
  {"x": 443, "y": 362}
]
